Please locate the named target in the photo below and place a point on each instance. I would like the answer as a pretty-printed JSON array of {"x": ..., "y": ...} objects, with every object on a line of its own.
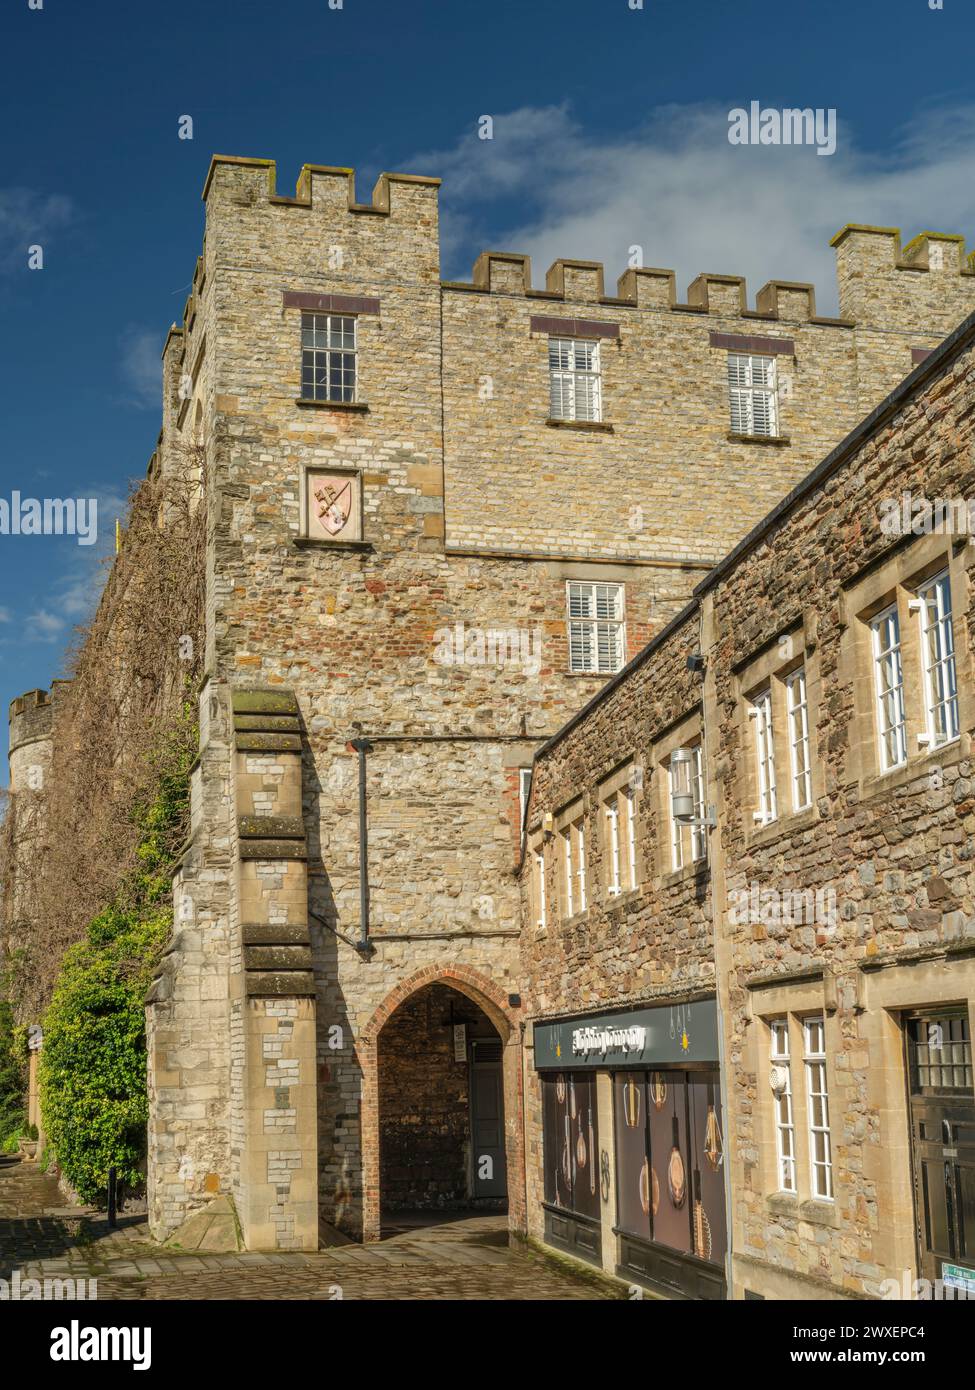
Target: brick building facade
[{"x": 440, "y": 515}]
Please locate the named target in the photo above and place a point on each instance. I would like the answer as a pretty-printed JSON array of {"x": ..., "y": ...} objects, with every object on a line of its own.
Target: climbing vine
[{"x": 93, "y": 1063}]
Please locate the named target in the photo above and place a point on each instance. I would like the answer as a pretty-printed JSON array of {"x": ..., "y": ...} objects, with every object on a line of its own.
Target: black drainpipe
[{"x": 362, "y": 746}]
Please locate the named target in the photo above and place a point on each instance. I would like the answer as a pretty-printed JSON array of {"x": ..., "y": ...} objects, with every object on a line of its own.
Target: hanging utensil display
[
  {"x": 581, "y": 1150},
  {"x": 631, "y": 1103},
  {"x": 713, "y": 1143},
  {"x": 645, "y": 1187},
  {"x": 702, "y": 1226},
  {"x": 676, "y": 1175}
]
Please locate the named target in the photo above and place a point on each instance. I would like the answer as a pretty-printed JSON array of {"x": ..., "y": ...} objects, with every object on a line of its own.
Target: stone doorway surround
[{"x": 493, "y": 1002}]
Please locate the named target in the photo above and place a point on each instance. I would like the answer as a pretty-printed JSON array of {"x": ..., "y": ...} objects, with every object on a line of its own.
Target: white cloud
[
  {"x": 692, "y": 201},
  {"x": 79, "y": 573},
  {"x": 43, "y": 626},
  {"x": 140, "y": 366},
  {"x": 29, "y": 219}
]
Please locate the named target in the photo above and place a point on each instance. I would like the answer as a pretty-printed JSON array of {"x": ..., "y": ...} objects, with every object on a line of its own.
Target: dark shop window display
[
  {"x": 571, "y": 1142},
  {"x": 670, "y": 1160}
]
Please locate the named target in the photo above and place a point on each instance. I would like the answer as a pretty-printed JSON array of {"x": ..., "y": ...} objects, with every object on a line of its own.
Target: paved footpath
[{"x": 465, "y": 1259}]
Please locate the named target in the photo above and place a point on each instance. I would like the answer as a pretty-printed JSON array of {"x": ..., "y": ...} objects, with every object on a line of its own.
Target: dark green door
[
  {"x": 487, "y": 1119},
  {"x": 943, "y": 1141}
]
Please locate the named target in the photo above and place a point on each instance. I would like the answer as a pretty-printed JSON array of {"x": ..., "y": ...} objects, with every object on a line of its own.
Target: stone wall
[
  {"x": 894, "y": 850},
  {"x": 453, "y": 480},
  {"x": 885, "y": 858}
]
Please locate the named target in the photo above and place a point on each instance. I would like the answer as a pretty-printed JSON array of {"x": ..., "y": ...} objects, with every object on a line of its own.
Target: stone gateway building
[{"x": 440, "y": 518}]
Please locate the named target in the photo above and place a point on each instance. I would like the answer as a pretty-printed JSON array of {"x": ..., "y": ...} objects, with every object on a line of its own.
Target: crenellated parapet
[
  {"x": 642, "y": 287},
  {"x": 884, "y": 284},
  {"x": 319, "y": 185},
  {"x": 31, "y": 716},
  {"x": 868, "y": 262}
]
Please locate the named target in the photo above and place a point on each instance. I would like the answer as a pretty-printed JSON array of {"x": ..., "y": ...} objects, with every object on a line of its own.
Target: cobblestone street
[{"x": 466, "y": 1259}]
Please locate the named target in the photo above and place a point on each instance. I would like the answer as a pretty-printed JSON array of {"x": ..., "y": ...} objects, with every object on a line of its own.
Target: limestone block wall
[
  {"x": 475, "y": 513},
  {"x": 661, "y": 474},
  {"x": 188, "y": 1018}
]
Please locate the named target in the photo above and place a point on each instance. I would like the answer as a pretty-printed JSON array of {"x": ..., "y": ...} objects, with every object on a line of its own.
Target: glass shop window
[
  {"x": 570, "y": 1142},
  {"x": 670, "y": 1160}
]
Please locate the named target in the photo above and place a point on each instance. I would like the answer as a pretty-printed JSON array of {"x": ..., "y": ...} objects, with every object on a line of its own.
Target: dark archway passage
[{"x": 441, "y": 1110}]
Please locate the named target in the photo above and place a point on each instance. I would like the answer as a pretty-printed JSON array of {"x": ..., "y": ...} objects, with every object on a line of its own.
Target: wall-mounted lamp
[{"x": 681, "y": 792}]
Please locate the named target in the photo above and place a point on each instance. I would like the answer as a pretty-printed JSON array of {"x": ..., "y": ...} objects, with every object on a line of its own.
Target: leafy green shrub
[
  {"x": 13, "y": 1082},
  {"x": 93, "y": 1063}
]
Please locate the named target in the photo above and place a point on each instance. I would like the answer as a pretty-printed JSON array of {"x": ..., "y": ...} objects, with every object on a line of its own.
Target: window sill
[
  {"x": 699, "y": 869},
  {"x": 578, "y": 919},
  {"x": 332, "y": 405},
  {"x": 595, "y": 426},
  {"x": 783, "y": 1203},
  {"x": 781, "y": 440},
  {"x": 782, "y": 825},
  {"x": 617, "y": 902},
  {"x": 593, "y": 675},
  {"x": 819, "y": 1211},
  {"x": 319, "y": 543},
  {"x": 816, "y": 1210},
  {"x": 877, "y": 784}
]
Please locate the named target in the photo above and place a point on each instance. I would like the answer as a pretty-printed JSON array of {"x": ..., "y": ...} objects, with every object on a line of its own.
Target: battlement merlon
[
  {"x": 31, "y": 718},
  {"x": 644, "y": 287},
  {"x": 877, "y": 277},
  {"x": 395, "y": 235}
]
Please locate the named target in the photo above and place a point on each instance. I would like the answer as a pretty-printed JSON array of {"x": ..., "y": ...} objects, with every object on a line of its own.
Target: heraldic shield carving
[{"x": 333, "y": 506}]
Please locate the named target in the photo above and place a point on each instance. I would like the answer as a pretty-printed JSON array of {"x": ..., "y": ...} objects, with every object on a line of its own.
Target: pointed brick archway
[{"x": 494, "y": 1003}]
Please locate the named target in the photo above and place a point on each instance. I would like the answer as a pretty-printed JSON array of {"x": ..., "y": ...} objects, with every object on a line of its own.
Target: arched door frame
[{"x": 490, "y": 999}]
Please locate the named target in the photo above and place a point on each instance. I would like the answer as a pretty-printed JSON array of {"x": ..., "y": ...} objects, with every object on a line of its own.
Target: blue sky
[{"x": 610, "y": 131}]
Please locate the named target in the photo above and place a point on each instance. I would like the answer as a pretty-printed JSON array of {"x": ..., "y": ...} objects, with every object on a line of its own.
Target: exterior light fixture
[{"x": 682, "y": 792}]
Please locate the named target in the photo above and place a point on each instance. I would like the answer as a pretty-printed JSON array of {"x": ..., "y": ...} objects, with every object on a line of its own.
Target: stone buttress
[{"x": 272, "y": 998}]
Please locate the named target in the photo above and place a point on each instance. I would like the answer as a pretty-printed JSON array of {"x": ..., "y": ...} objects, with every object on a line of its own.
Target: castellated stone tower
[
  {"x": 441, "y": 515},
  {"x": 31, "y": 758}
]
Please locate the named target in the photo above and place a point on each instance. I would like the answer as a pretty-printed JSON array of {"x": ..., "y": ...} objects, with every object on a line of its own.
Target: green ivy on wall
[
  {"x": 93, "y": 1063},
  {"x": 13, "y": 1081}
]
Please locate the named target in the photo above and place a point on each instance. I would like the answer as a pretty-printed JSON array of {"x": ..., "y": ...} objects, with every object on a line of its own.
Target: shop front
[{"x": 633, "y": 1145}]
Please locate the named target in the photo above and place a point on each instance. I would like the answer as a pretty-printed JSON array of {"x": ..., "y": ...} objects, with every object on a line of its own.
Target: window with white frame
[
  {"x": 620, "y": 842},
  {"x": 524, "y": 787},
  {"x": 761, "y": 712},
  {"x": 574, "y": 867},
  {"x": 538, "y": 865},
  {"x": 597, "y": 630},
  {"x": 889, "y": 688},
  {"x": 752, "y": 394},
  {"x": 614, "y": 884},
  {"x": 627, "y": 803},
  {"x": 574, "y": 385},
  {"x": 688, "y": 843},
  {"x": 785, "y": 1129},
  {"x": 933, "y": 602},
  {"x": 797, "y": 706},
  {"x": 568, "y": 877},
  {"x": 328, "y": 357},
  {"x": 580, "y": 852},
  {"x": 817, "y": 1098}
]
